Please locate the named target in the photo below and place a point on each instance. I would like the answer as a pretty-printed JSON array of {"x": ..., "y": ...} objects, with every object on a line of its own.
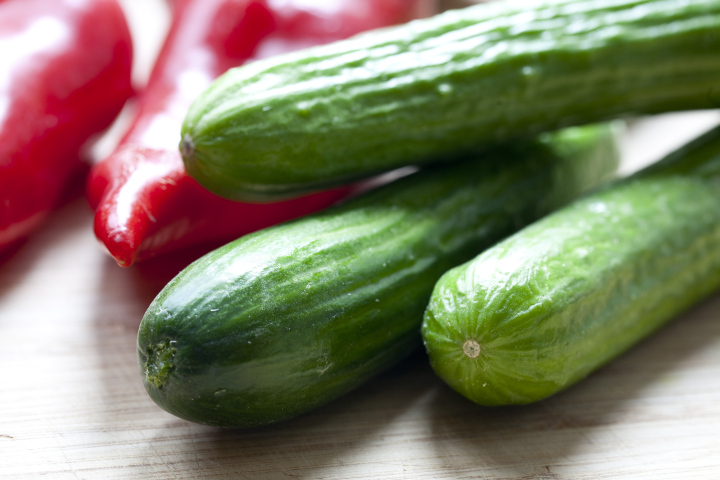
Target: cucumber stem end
[
  {"x": 160, "y": 363},
  {"x": 187, "y": 147},
  {"x": 471, "y": 348}
]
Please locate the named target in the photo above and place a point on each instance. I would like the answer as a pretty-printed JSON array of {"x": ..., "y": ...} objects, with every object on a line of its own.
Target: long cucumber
[
  {"x": 291, "y": 317},
  {"x": 545, "y": 307},
  {"x": 442, "y": 88}
]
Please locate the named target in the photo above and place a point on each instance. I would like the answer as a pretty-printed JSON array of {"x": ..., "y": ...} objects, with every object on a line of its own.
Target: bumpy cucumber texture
[
  {"x": 291, "y": 317},
  {"x": 542, "y": 309},
  {"x": 439, "y": 89}
]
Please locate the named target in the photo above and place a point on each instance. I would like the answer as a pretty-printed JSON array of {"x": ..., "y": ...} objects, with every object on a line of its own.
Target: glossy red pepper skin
[
  {"x": 64, "y": 75},
  {"x": 144, "y": 202}
]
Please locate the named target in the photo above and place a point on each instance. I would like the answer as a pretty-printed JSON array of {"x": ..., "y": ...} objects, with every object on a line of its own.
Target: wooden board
[{"x": 72, "y": 404}]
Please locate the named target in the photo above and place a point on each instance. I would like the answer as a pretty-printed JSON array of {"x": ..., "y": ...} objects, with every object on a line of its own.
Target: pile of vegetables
[
  {"x": 145, "y": 205},
  {"x": 512, "y": 253}
]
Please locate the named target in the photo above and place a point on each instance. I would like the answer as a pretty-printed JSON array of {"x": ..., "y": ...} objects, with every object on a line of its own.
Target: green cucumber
[
  {"x": 291, "y": 317},
  {"x": 441, "y": 88},
  {"x": 545, "y": 307}
]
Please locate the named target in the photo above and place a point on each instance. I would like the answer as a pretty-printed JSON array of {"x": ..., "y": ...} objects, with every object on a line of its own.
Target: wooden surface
[{"x": 72, "y": 404}]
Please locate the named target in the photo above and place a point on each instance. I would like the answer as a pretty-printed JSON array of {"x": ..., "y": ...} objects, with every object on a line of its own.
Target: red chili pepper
[
  {"x": 64, "y": 75},
  {"x": 144, "y": 202}
]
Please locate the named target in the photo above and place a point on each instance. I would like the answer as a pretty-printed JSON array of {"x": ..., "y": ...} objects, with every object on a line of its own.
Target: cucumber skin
[
  {"x": 439, "y": 89},
  {"x": 562, "y": 297},
  {"x": 291, "y": 317}
]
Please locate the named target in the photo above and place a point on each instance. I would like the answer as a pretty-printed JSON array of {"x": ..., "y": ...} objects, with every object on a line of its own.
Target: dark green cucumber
[
  {"x": 441, "y": 88},
  {"x": 291, "y": 317},
  {"x": 547, "y": 306}
]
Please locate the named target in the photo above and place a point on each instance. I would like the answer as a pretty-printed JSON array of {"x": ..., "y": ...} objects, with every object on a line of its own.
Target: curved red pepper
[
  {"x": 144, "y": 202},
  {"x": 64, "y": 76}
]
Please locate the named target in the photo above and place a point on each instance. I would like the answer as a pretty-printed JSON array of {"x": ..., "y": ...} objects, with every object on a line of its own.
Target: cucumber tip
[
  {"x": 187, "y": 147},
  {"x": 160, "y": 363},
  {"x": 471, "y": 348}
]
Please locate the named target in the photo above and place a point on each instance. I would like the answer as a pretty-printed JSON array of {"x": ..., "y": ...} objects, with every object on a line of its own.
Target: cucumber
[
  {"x": 442, "y": 88},
  {"x": 291, "y": 317},
  {"x": 545, "y": 307}
]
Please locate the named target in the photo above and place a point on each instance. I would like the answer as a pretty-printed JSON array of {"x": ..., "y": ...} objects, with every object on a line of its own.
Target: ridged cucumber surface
[
  {"x": 547, "y": 306},
  {"x": 441, "y": 88},
  {"x": 291, "y": 317}
]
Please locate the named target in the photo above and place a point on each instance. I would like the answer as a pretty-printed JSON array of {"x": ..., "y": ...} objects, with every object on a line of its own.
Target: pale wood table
[{"x": 72, "y": 404}]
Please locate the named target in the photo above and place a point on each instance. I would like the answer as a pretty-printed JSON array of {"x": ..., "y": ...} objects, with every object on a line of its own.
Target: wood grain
[{"x": 72, "y": 404}]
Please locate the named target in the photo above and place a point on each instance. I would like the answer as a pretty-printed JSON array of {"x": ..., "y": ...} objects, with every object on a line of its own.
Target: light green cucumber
[
  {"x": 291, "y": 317},
  {"x": 545, "y": 307},
  {"x": 442, "y": 88}
]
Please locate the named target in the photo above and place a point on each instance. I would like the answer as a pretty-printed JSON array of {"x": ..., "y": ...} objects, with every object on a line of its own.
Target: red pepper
[
  {"x": 64, "y": 75},
  {"x": 144, "y": 202}
]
